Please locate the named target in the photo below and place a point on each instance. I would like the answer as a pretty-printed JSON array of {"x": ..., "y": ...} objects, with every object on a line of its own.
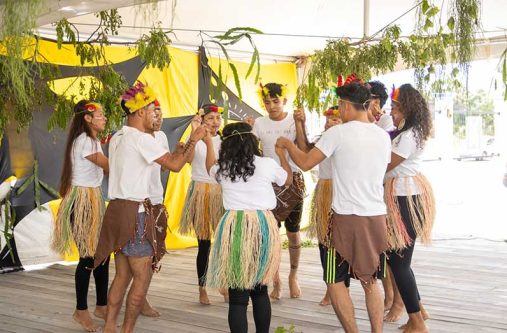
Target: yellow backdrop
[{"x": 177, "y": 89}]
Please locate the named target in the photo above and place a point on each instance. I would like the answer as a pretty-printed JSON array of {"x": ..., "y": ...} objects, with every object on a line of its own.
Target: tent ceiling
[{"x": 287, "y": 25}]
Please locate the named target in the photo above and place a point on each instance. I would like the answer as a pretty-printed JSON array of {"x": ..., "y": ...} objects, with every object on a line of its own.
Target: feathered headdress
[
  {"x": 210, "y": 108},
  {"x": 332, "y": 111},
  {"x": 264, "y": 92},
  {"x": 92, "y": 106},
  {"x": 352, "y": 78},
  {"x": 395, "y": 94},
  {"x": 138, "y": 96}
]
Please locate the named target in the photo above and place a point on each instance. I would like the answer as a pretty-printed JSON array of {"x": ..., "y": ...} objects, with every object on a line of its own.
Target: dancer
[
  {"x": 203, "y": 203},
  {"x": 79, "y": 216},
  {"x": 246, "y": 252},
  {"x": 129, "y": 227},
  {"x": 289, "y": 200},
  {"x": 359, "y": 151},
  {"x": 409, "y": 198},
  {"x": 157, "y": 198},
  {"x": 378, "y": 100}
]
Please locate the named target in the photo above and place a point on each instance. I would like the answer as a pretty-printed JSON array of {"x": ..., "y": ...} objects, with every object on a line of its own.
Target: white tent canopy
[{"x": 291, "y": 28}]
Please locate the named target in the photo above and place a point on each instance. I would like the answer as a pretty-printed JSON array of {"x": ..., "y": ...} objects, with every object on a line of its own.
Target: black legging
[
  {"x": 400, "y": 263},
  {"x": 238, "y": 302},
  {"x": 202, "y": 260},
  {"x": 82, "y": 278}
]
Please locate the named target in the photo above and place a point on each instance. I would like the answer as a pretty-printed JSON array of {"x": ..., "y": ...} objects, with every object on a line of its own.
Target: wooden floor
[{"x": 463, "y": 284}]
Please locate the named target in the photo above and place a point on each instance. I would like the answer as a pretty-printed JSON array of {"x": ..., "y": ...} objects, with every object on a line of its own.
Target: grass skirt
[
  {"x": 320, "y": 211},
  {"x": 246, "y": 251},
  {"x": 422, "y": 211},
  {"x": 203, "y": 210},
  {"x": 79, "y": 218}
]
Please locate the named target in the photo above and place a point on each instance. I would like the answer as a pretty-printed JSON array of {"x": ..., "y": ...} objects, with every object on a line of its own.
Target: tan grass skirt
[
  {"x": 320, "y": 210},
  {"x": 202, "y": 211},
  {"x": 79, "y": 219}
]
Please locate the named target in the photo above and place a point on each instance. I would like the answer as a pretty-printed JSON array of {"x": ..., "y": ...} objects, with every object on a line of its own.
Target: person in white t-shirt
[
  {"x": 320, "y": 207},
  {"x": 272, "y": 97},
  {"x": 359, "y": 153},
  {"x": 409, "y": 199},
  {"x": 378, "y": 100},
  {"x": 246, "y": 252},
  {"x": 128, "y": 228},
  {"x": 157, "y": 197},
  {"x": 79, "y": 216},
  {"x": 203, "y": 203}
]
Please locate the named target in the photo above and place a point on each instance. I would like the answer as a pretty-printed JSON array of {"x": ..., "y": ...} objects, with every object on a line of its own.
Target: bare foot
[
  {"x": 425, "y": 315},
  {"x": 203, "y": 296},
  {"x": 85, "y": 320},
  {"x": 100, "y": 311},
  {"x": 295, "y": 291},
  {"x": 224, "y": 292},
  {"x": 149, "y": 311},
  {"x": 394, "y": 313},
  {"x": 325, "y": 300},
  {"x": 411, "y": 328},
  {"x": 277, "y": 290}
]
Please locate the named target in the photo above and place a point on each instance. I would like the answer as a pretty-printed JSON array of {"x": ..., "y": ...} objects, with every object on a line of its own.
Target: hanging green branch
[
  {"x": 428, "y": 50},
  {"x": 231, "y": 37},
  {"x": 152, "y": 48},
  {"x": 9, "y": 218},
  {"x": 34, "y": 178}
]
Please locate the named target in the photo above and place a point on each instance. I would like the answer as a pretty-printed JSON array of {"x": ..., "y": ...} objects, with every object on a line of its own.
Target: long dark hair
[
  {"x": 237, "y": 152},
  {"x": 417, "y": 113},
  {"x": 77, "y": 127}
]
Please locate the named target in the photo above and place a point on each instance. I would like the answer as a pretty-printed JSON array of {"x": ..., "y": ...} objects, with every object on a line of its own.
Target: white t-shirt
[
  {"x": 156, "y": 188},
  {"x": 84, "y": 172},
  {"x": 326, "y": 169},
  {"x": 257, "y": 192},
  {"x": 386, "y": 122},
  {"x": 199, "y": 172},
  {"x": 268, "y": 131},
  {"x": 405, "y": 145},
  {"x": 131, "y": 157},
  {"x": 360, "y": 153}
]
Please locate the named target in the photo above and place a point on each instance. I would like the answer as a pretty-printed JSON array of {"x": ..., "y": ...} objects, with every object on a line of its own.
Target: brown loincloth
[
  {"x": 119, "y": 227},
  {"x": 360, "y": 240}
]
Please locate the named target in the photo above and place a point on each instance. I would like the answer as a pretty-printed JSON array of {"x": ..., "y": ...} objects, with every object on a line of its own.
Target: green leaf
[
  {"x": 427, "y": 25},
  {"x": 451, "y": 23},
  {"x": 224, "y": 51},
  {"x": 252, "y": 63},
  {"x": 258, "y": 68},
  {"x": 504, "y": 69},
  {"x": 425, "y": 6},
  {"x": 49, "y": 189},
  {"x": 432, "y": 12},
  {"x": 236, "y": 79},
  {"x": 25, "y": 185}
]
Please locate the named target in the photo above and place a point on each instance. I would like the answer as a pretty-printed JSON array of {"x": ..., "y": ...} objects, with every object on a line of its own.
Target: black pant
[
  {"x": 82, "y": 278},
  {"x": 204, "y": 246},
  {"x": 400, "y": 262},
  {"x": 238, "y": 302}
]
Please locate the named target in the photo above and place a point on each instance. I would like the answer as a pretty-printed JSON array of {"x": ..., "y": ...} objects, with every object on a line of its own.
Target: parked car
[{"x": 486, "y": 150}]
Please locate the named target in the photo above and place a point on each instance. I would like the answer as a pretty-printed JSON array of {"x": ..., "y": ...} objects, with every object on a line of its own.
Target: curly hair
[
  {"x": 378, "y": 90},
  {"x": 237, "y": 152},
  {"x": 417, "y": 113}
]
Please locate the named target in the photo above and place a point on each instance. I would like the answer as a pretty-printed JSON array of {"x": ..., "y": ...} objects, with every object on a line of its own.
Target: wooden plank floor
[{"x": 463, "y": 284}]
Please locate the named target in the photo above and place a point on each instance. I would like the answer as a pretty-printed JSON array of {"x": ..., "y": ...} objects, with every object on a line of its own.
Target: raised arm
[
  {"x": 305, "y": 161},
  {"x": 282, "y": 155},
  {"x": 301, "y": 137},
  {"x": 174, "y": 162}
]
